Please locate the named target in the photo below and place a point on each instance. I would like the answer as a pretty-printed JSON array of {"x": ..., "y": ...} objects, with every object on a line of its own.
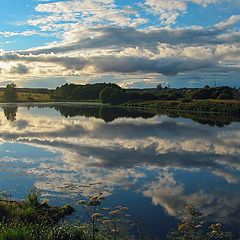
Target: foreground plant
[
  {"x": 33, "y": 220},
  {"x": 113, "y": 222},
  {"x": 193, "y": 227}
]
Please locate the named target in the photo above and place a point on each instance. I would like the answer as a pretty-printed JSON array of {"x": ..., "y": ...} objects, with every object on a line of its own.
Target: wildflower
[
  {"x": 96, "y": 215},
  {"x": 214, "y": 232},
  {"x": 107, "y": 221},
  {"x": 115, "y": 231},
  {"x": 182, "y": 227},
  {"x": 94, "y": 203},
  {"x": 94, "y": 198},
  {"x": 105, "y": 209},
  {"x": 115, "y": 212},
  {"x": 82, "y": 202}
]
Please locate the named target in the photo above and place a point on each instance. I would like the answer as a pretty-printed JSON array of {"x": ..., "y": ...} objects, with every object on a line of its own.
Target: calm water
[{"x": 155, "y": 165}]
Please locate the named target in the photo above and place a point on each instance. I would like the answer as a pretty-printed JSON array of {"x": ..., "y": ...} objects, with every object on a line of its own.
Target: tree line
[{"x": 114, "y": 94}]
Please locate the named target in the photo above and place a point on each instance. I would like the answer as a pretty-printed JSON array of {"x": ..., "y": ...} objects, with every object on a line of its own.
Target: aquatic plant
[
  {"x": 113, "y": 222},
  {"x": 32, "y": 220},
  {"x": 194, "y": 227}
]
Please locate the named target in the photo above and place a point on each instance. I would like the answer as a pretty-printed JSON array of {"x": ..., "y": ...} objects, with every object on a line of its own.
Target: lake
[{"x": 153, "y": 164}]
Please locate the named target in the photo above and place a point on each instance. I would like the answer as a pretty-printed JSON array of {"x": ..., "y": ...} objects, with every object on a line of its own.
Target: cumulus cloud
[
  {"x": 19, "y": 69},
  {"x": 130, "y": 51},
  {"x": 169, "y": 11},
  {"x": 105, "y": 38},
  {"x": 119, "y": 64},
  {"x": 115, "y": 37}
]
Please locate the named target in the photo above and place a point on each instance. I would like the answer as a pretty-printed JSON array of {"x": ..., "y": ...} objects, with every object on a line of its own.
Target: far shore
[
  {"x": 214, "y": 100},
  {"x": 220, "y": 107},
  {"x": 53, "y": 103}
]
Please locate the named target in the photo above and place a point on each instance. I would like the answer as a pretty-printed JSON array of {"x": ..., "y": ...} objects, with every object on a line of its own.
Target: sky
[{"x": 134, "y": 43}]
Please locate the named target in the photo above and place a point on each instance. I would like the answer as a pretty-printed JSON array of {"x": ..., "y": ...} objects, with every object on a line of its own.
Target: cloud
[
  {"x": 168, "y": 11},
  {"x": 120, "y": 64},
  {"x": 127, "y": 50},
  {"x": 19, "y": 69},
  {"x": 173, "y": 197},
  {"x": 229, "y": 23},
  {"x": 115, "y": 37},
  {"x": 23, "y": 33},
  {"x": 90, "y": 12},
  {"x": 165, "y": 66},
  {"x": 99, "y": 38}
]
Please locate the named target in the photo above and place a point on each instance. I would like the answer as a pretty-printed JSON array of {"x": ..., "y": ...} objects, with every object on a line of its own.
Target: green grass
[
  {"x": 231, "y": 107},
  {"x": 30, "y": 219},
  {"x": 26, "y": 231},
  {"x": 31, "y": 210},
  {"x": 29, "y": 97}
]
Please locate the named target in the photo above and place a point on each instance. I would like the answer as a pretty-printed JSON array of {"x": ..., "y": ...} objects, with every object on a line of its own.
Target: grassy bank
[
  {"x": 32, "y": 220},
  {"x": 229, "y": 107},
  {"x": 29, "y": 97}
]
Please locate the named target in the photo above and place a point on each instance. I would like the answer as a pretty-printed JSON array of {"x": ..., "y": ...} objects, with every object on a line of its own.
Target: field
[{"x": 29, "y": 97}]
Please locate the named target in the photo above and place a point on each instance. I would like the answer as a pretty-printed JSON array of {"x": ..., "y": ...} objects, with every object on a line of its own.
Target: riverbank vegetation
[
  {"x": 26, "y": 97},
  {"x": 223, "y": 99},
  {"x": 31, "y": 219},
  {"x": 12, "y": 94},
  {"x": 193, "y": 106}
]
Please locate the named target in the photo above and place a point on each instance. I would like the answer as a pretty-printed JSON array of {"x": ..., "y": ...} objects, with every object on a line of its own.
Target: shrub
[{"x": 32, "y": 198}]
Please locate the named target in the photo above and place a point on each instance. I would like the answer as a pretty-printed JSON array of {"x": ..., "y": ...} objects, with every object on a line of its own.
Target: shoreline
[
  {"x": 82, "y": 103},
  {"x": 223, "y": 108},
  {"x": 227, "y": 107}
]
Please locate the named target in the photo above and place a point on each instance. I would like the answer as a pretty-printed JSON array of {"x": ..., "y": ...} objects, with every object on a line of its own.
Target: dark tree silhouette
[
  {"x": 10, "y": 112},
  {"x": 10, "y": 93}
]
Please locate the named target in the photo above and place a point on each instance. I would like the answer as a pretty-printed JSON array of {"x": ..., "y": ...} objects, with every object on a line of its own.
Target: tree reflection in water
[{"x": 10, "y": 112}]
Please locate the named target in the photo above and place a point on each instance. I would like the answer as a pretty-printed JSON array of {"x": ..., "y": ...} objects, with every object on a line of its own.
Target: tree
[
  {"x": 10, "y": 93},
  {"x": 159, "y": 86},
  {"x": 112, "y": 96}
]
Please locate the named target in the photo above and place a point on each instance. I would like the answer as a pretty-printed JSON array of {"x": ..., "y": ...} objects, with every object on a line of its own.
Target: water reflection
[
  {"x": 10, "y": 112},
  {"x": 109, "y": 114},
  {"x": 173, "y": 162}
]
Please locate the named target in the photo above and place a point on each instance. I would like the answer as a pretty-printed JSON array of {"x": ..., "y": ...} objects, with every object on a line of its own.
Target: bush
[{"x": 32, "y": 198}]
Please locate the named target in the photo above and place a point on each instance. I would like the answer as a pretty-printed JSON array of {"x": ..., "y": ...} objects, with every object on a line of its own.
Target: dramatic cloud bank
[{"x": 100, "y": 39}]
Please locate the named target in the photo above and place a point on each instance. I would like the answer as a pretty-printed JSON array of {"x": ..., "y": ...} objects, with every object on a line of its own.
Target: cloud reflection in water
[{"x": 173, "y": 161}]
